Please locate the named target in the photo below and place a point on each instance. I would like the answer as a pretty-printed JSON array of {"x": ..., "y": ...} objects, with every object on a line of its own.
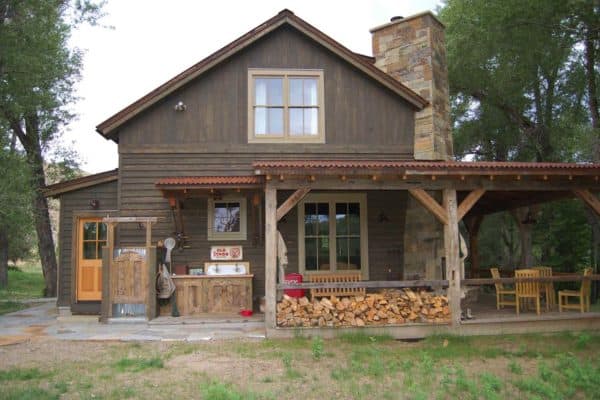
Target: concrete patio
[{"x": 42, "y": 320}]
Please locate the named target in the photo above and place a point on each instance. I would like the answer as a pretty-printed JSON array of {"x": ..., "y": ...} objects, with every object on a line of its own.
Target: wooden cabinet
[{"x": 213, "y": 294}]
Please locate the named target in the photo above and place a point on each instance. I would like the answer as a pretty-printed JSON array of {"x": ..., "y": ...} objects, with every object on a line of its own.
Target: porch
[{"x": 467, "y": 190}]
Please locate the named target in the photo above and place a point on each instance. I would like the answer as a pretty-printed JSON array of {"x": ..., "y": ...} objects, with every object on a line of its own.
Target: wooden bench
[{"x": 335, "y": 278}]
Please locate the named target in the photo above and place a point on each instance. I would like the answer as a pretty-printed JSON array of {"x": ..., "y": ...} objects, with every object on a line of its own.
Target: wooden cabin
[{"x": 285, "y": 130}]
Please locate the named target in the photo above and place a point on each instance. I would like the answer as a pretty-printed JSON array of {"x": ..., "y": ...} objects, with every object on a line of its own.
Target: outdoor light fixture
[
  {"x": 94, "y": 204},
  {"x": 180, "y": 106}
]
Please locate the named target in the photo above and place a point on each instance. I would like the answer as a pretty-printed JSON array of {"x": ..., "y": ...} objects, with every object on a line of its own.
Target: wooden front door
[{"x": 91, "y": 237}]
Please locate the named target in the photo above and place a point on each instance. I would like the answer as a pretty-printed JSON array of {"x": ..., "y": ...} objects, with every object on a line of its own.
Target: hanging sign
[{"x": 226, "y": 253}]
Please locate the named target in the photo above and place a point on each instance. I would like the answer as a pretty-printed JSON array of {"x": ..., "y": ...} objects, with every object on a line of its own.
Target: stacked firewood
[{"x": 390, "y": 306}]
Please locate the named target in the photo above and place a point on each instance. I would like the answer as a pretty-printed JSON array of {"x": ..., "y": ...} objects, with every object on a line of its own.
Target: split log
[{"x": 389, "y": 307}]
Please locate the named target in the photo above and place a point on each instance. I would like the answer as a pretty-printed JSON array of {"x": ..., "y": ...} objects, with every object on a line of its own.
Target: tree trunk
[
  {"x": 3, "y": 259},
  {"x": 40, "y": 208},
  {"x": 525, "y": 236},
  {"x": 473, "y": 224}
]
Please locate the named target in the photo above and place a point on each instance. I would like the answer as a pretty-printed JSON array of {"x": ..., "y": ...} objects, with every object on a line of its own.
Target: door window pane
[
  {"x": 354, "y": 218},
  {"x": 354, "y": 253},
  {"x": 89, "y": 231},
  {"x": 310, "y": 251},
  {"x": 89, "y": 250},
  {"x": 323, "y": 215},
  {"x": 101, "y": 231},
  {"x": 324, "y": 254},
  {"x": 341, "y": 218},
  {"x": 99, "y": 249}
]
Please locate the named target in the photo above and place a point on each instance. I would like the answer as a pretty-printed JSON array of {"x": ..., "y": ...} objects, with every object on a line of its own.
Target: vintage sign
[{"x": 226, "y": 253}]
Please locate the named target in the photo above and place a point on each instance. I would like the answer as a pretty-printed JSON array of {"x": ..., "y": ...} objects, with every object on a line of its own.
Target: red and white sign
[{"x": 226, "y": 253}]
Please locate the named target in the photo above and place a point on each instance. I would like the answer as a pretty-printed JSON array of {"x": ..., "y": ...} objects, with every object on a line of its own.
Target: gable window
[
  {"x": 332, "y": 233},
  {"x": 227, "y": 219},
  {"x": 285, "y": 106}
]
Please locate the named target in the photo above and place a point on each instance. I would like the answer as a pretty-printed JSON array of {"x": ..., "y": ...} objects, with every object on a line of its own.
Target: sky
[{"x": 147, "y": 42}]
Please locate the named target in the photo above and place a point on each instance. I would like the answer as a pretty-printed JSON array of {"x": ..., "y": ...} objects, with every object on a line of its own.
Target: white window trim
[
  {"x": 332, "y": 198},
  {"x": 241, "y": 235},
  {"x": 286, "y": 137}
]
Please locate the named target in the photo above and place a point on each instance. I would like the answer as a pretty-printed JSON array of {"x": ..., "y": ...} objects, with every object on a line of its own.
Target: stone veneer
[{"x": 413, "y": 51}]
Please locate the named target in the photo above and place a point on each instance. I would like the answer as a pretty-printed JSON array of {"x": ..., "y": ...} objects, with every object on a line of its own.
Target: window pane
[
  {"x": 342, "y": 252},
  {"x": 89, "y": 231},
  {"x": 354, "y": 218},
  {"x": 260, "y": 121},
  {"x": 341, "y": 219},
  {"x": 310, "y": 254},
  {"x": 323, "y": 215},
  {"x": 275, "y": 91},
  {"x": 89, "y": 250},
  {"x": 260, "y": 91},
  {"x": 354, "y": 253},
  {"x": 324, "y": 253},
  {"x": 275, "y": 121},
  {"x": 310, "y": 92},
  {"x": 226, "y": 217},
  {"x": 102, "y": 231},
  {"x": 310, "y": 211},
  {"x": 311, "y": 121},
  {"x": 296, "y": 96},
  {"x": 296, "y": 121}
]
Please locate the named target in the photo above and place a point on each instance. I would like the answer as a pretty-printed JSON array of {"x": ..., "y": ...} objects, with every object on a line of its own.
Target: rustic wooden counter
[{"x": 201, "y": 294}]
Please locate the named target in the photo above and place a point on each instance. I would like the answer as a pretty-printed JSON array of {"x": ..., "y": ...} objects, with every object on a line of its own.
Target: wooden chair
[
  {"x": 547, "y": 288},
  {"x": 583, "y": 293},
  {"x": 502, "y": 291},
  {"x": 528, "y": 290}
]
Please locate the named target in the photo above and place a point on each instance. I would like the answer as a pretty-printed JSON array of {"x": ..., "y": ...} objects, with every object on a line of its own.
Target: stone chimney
[{"x": 413, "y": 51}]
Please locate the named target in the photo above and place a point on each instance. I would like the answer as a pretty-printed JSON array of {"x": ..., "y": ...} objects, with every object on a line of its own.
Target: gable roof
[
  {"x": 365, "y": 64},
  {"x": 80, "y": 183}
]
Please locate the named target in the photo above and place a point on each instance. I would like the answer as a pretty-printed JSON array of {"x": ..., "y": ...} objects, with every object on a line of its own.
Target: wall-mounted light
[
  {"x": 382, "y": 217},
  {"x": 94, "y": 204},
  {"x": 180, "y": 106}
]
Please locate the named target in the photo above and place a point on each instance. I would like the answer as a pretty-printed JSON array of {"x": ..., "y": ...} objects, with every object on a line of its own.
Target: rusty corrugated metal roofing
[
  {"x": 425, "y": 165},
  {"x": 208, "y": 180}
]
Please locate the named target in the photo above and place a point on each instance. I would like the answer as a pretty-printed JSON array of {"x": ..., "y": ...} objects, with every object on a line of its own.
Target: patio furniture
[
  {"x": 335, "y": 278},
  {"x": 583, "y": 293},
  {"x": 527, "y": 290},
  {"x": 547, "y": 288},
  {"x": 502, "y": 291}
]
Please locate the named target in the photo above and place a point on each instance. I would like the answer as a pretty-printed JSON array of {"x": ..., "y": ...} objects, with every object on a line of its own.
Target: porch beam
[
  {"x": 270, "y": 255},
  {"x": 469, "y": 202},
  {"x": 452, "y": 256},
  {"x": 431, "y": 204},
  {"x": 291, "y": 202},
  {"x": 588, "y": 198}
]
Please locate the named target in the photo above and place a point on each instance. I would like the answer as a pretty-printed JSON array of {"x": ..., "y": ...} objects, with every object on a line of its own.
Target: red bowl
[{"x": 246, "y": 313}]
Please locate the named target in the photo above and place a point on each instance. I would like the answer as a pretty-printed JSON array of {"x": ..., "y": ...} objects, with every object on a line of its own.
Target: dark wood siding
[
  {"x": 78, "y": 201},
  {"x": 362, "y": 120},
  {"x": 359, "y": 111}
]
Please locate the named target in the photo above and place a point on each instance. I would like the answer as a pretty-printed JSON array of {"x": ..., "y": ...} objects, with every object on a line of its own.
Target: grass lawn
[
  {"x": 24, "y": 282},
  {"x": 557, "y": 366}
]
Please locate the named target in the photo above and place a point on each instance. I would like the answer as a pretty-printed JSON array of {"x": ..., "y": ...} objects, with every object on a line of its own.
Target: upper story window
[{"x": 285, "y": 106}]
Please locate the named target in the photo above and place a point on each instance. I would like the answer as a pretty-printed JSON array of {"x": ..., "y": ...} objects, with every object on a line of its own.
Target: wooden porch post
[
  {"x": 270, "y": 255},
  {"x": 451, "y": 252}
]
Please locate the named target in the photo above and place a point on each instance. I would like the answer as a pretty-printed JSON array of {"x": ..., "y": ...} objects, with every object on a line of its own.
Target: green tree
[
  {"x": 15, "y": 210},
  {"x": 523, "y": 80},
  {"x": 37, "y": 74}
]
